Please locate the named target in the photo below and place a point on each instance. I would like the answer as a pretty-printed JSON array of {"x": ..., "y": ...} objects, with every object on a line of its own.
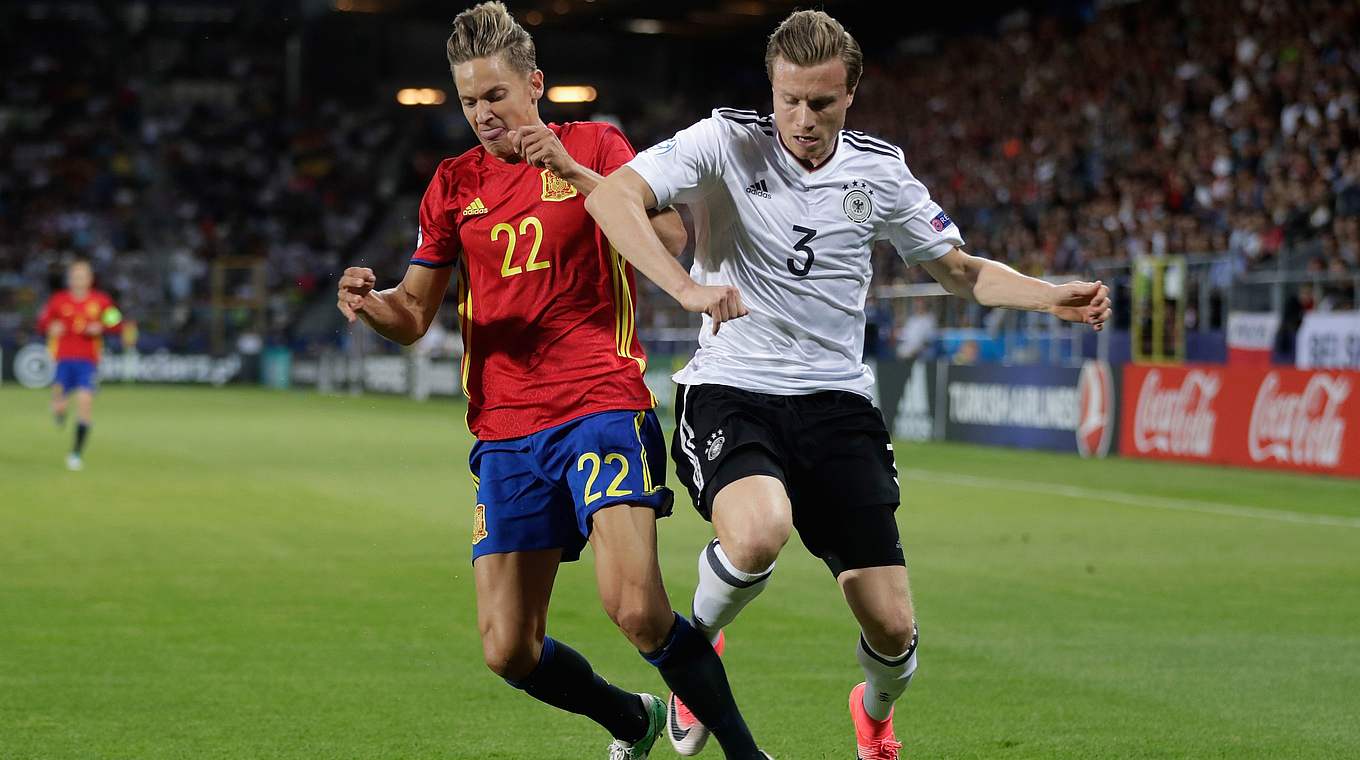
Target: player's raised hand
[
  {"x": 56, "y": 330},
  {"x": 720, "y": 302},
  {"x": 540, "y": 147},
  {"x": 1086, "y": 302},
  {"x": 355, "y": 285}
]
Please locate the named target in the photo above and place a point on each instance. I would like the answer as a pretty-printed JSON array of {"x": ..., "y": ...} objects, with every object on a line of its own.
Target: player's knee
[
  {"x": 510, "y": 657},
  {"x": 754, "y": 551},
  {"x": 644, "y": 627},
  {"x": 893, "y": 631}
]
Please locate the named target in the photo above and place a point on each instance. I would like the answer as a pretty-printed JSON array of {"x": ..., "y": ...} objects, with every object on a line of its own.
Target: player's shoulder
[
  {"x": 465, "y": 161},
  {"x": 874, "y": 150},
  {"x": 585, "y": 138},
  {"x": 458, "y": 170},
  {"x": 586, "y": 130},
  {"x": 742, "y": 121}
]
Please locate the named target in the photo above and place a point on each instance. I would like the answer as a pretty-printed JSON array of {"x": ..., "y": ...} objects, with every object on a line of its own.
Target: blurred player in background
[
  {"x": 776, "y": 429},
  {"x": 74, "y": 321},
  {"x": 568, "y": 449}
]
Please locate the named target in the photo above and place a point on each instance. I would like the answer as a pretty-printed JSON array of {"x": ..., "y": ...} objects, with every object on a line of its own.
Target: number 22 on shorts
[{"x": 592, "y": 460}]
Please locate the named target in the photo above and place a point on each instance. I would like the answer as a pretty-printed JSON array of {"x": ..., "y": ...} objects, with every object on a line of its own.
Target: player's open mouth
[
  {"x": 805, "y": 141},
  {"x": 493, "y": 134}
]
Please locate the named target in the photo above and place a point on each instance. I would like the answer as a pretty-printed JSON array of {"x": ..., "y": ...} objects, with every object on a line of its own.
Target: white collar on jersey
[{"x": 793, "y": 163}]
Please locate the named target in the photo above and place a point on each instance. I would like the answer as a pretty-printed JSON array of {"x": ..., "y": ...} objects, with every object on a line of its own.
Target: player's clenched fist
[
  {"x": 541, "y": 148},
  {"x": 355, "y": 285},
  {"x": 721, "y": 302},
  {"x": 1087, "y": 302}
]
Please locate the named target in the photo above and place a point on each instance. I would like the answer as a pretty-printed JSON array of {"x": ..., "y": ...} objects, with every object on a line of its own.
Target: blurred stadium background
[{"x": 251, "y": 569}]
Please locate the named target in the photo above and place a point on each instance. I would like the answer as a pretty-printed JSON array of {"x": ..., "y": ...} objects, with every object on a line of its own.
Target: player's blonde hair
[
  {"x": 487, "y": 29},
  {"x": 807, "y": 38}
]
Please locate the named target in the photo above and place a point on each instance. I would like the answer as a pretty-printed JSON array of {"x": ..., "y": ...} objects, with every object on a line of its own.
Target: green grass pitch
[{"x": 254, "y": 574}]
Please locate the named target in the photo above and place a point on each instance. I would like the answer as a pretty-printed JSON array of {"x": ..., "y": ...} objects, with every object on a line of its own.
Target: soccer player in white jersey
[{"x": 775, "y": 427}]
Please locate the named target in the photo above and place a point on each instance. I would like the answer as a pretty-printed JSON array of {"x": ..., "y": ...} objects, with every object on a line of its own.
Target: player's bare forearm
[
  {"x": 584, "y": 180},
  {"x": 619, "y": 205},
  {"x": 993, "y": 284},
  {"x": 989, "y": 283},
  {"x": 402, "y": 314},
  {"x": 391, "y": 315},
  {"x": 669, "y": 229}
]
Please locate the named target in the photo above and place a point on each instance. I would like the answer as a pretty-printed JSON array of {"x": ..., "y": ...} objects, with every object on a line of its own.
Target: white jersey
[{"x": 796, "y": 243}]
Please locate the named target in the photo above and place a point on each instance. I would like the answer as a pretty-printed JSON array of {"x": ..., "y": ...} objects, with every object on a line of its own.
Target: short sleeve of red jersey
[
  {"x": 613, "y": 150},
  {"x": 437, "y": 240}
]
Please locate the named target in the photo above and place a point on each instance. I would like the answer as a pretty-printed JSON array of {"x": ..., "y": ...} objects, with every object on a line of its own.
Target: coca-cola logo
[
  {"x": 1299, "y": 428},
  {"x": 1177, "y": 420},
  {"x": 1095, "y": 421}
]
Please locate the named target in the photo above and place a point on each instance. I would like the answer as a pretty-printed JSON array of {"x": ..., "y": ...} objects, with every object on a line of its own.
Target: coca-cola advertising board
[{"x": 1268, "y": 417}]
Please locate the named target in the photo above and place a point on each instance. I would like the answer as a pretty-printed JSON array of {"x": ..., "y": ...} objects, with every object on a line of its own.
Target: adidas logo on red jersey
[{"x": 475, "y": 207}]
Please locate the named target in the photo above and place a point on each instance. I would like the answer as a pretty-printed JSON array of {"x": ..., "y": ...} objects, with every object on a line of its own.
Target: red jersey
[
  {"x": 545, "y": 304},
  {"x": 84, "y": 322}
]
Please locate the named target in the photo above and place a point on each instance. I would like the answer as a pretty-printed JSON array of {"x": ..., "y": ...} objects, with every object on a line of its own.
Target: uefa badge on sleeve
[{"x": 858, "y": 202}]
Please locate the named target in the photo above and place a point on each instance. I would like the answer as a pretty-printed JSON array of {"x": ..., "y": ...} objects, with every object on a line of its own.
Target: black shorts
[{"x": 831, "y": 450}]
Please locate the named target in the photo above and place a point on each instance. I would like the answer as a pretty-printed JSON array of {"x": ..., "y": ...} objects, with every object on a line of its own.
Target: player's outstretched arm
[
  {"x": 992, "y": 283},
  {"x": 401, "y": 314},
  {"x": 619, "y": 205}
]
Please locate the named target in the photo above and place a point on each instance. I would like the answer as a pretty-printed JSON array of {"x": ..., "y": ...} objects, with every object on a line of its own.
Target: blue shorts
[
  {"x": 541, "y": 491},
  {"x": 73, "y": 374}
]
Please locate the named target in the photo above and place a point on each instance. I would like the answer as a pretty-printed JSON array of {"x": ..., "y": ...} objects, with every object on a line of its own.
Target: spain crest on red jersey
[{"x": 555, "y": 188}]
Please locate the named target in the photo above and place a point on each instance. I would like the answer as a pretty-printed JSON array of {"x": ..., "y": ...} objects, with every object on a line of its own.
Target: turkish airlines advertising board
[{"x": 1265, "y": 417}]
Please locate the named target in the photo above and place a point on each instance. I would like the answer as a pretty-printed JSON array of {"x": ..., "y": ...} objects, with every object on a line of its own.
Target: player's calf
[
  {"x": 876, "y": 588},
  {"x": 724, "y": 589},
  {"x": 563, "y": 678},
  {"x": 887, "y": 674},
  {"x": 753, "y": 519},
  {"x": 691, "y": 668},
  {"x": 628, "y": 576}
]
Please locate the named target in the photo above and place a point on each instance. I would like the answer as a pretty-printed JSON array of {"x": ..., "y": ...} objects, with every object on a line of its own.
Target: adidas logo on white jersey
[{"x": 759, "y": 188}]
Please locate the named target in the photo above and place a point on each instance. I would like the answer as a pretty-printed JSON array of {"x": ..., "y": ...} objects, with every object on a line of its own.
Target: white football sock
[
  {"x": 886, "y": 677},
  {"x": 723, "y": 590}
]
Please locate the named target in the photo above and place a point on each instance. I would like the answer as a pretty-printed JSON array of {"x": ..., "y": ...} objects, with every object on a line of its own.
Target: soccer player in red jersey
[
  {"x": 74, "y": 321},
  {"x": 568, "y": 450}
]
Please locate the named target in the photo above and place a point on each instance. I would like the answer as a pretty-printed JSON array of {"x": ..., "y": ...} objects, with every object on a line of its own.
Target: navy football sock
[
  {"x": 82, "y": 430},
  {"x": 564, "y": 679},
  {"x": 692, "y": 669}
]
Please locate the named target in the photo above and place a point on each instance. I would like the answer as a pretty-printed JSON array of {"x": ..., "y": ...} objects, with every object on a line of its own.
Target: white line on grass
[{"x": 1134, "y": 500}]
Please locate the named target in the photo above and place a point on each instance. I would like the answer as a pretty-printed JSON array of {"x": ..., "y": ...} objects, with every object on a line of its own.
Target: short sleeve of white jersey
[
  {"x": 682, "y": 169},
  {"x": 917, "y": 227}
]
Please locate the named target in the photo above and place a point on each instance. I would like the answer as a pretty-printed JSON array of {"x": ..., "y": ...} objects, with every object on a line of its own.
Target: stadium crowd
[
  {"x": 1059, "y": 145},
  {"x": 154, "y": 151},
  {"x": 1158, "y": 127}
]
